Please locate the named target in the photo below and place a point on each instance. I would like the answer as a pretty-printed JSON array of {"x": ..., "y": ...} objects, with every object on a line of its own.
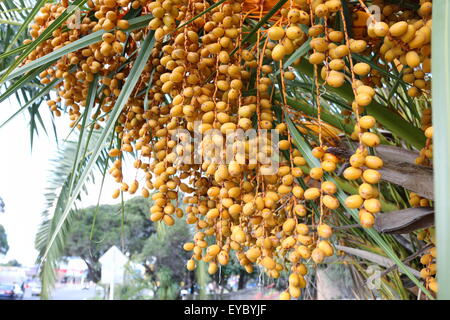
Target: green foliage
[
  {"x": 169, "y": 269},
  {"x": 4, "y": 247},
  {"x": 167, "y": 288}
]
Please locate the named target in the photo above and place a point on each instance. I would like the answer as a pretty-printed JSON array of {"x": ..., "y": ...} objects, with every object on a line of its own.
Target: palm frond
[{"x": 57, "y": 196}]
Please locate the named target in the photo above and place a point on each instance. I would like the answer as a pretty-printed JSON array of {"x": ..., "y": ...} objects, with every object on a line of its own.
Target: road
[{"x": 66, "y": 292}]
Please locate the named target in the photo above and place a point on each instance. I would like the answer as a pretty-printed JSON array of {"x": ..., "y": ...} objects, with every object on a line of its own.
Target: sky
[{"x": 23, "y": 179}]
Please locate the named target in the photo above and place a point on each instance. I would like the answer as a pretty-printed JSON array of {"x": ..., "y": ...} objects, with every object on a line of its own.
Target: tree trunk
[
  {"x": 192, "y": 282},
  {"x": 242, "y": 276},
  {"x": 94, "y": 274}
]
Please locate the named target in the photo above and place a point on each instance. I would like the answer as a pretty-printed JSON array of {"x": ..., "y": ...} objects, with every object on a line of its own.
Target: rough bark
[
  {"x": 94, "y": 273},
  {"x": 405, "y": 221},
  {"x": 418, "y": 179},
  {"x": 399, "y": 167}
]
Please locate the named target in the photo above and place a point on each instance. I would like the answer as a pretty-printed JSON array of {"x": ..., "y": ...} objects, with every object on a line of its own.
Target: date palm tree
[{"x": 398, "y": 113}]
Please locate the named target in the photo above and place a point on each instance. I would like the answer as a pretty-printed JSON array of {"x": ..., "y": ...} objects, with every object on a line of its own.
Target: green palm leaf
[{"x": 441, "y": 120}]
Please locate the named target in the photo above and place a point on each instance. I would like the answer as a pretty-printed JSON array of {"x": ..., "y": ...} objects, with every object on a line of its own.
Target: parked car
[
  {"x": 10, "y": 291},
  {"x": 35, "y": 288}
]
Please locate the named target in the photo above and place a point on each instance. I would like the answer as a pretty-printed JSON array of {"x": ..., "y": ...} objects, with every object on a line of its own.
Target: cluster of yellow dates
[{"x": 201, "y": 77}]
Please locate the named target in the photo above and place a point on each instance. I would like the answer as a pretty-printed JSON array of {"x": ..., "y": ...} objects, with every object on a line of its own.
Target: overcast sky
[{"x": 23, "y": 179}]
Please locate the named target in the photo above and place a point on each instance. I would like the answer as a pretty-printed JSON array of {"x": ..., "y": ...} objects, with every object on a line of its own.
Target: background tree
[
  {"x": 95, "y": 229},
  {"x": 234, "y": 268},
  {"x": 231, "y": 269},
  {"x": 4, "y": 247},
  {"x": 169, "y": 269},
  {"x": 2, "y": 205},
  {"x": 12, "y": 263}
]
